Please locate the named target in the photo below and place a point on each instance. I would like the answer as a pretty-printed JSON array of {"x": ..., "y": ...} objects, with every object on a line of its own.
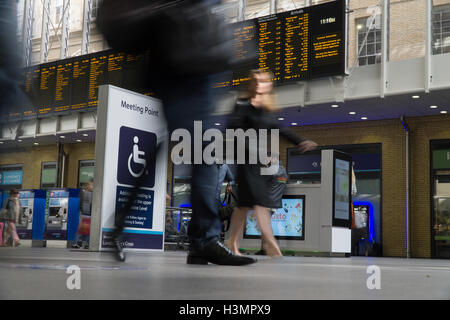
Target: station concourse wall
[{"x": 389, "y": 133}]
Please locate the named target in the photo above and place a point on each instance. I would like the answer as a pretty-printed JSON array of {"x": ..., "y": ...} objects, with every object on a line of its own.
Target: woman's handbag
[{"x": 85, "y": 226}]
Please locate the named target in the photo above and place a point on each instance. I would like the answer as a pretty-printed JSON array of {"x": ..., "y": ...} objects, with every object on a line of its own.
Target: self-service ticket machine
[
  {"x": 314, "y": 217},
  {"x": 32, "y": 203},
  {"x": 61, "y": 218}
]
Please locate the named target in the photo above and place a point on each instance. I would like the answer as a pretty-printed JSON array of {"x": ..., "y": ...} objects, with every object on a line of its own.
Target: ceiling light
[
  {"x": 36, "y": 143},
  {"x": 415, "y": 97},
  {"x": 335, "y": 106},
  {"x": 19, "y": 140},
  {"x": 352, "y": 112},
  {"x": 62, "y": 137},
  {"x": 363, "y": 118},
  {"x": 443, "y": 111},
  {"x": 294, "y": 123},
  {"x": 85, "y": 135},
  {"x": 1, "y": 142},
  {"x": 433, "y": 107},
  {"x": 281, "y": 119},
  {"x": 217, "y": 124},
  {"x": 359, "y": 26},
  {"x": 78, "y": 140}
]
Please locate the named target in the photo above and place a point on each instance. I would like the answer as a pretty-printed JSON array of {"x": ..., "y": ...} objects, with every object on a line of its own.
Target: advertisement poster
[
  {"x": 287, "y": 222},
  {"x": 341, "y": 190}
]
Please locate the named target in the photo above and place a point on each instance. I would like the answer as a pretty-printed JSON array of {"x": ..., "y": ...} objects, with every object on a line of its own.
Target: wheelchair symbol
[{"x": 136, "y": 157}]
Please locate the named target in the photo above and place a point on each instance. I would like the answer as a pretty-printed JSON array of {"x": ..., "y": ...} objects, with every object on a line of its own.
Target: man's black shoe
[
  {"x": 217, "y": 253},
  {"x": 118, "y": 251}
]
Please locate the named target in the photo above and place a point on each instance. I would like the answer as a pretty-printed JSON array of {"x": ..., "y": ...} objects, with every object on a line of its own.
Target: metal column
[
  {"x": 27, "y": 31},
  {"x": 428, "y": 39},
  {"x": 65, "y": 30},
  {"x": 86, "y": 31},
  {"x": 45, "y": 34},
  {"x": 384, "y": 45},
  {"x": 273, "y": 6},
  {"x": 241, "y": 10}
]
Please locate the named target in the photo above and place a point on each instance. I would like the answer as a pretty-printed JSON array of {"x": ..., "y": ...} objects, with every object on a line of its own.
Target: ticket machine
[
  {"x": 62, "y": 212},
  {"x": 31, "y": 202}
]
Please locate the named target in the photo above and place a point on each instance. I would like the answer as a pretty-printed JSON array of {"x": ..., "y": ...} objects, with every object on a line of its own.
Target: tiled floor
[{"x": 41, "y": 273}]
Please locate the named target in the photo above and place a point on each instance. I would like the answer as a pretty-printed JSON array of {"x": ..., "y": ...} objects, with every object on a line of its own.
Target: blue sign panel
[{"x": 11, "y": 177}]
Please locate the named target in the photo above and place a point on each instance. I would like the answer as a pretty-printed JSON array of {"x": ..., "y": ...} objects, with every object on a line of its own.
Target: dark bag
[
  {"x": 225, "y": 211},
  {"x": 278, "y": 186},
  {"x": 183, "y": 37}
]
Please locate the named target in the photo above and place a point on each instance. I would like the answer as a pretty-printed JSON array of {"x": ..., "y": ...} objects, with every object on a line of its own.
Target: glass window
[
  {"x": 85, "y": 172},
  {"x": 368, "y": 33},
  {"x": 441, "y": 29},
  {"x": 49, "y": 175}
]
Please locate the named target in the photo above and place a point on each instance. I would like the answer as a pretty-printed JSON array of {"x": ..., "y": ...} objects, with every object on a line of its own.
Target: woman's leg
[
  {"x": 236, "y": 226},
  {"x": 265, "y": 225},
  {"x": 13, "y": 232}
]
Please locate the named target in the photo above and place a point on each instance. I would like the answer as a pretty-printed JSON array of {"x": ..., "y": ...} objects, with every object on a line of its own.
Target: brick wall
[{"x": 391, "y": 135}]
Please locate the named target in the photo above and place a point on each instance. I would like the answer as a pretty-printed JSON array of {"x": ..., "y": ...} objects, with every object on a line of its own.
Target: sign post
[{"x": 130, "y": 126}]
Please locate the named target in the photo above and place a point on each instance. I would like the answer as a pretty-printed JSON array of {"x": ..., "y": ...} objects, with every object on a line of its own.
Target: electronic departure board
[
  {"x": 62, "y": 86},
  {"x": 134, "y": 78},
  {"x": 32, "y": 87},
  {"x": 115, "y": 68},
  {"x": 47, "y": 88},
  {"x": 97, "y": 76},
  {"x": 80, "y": 83},
  {"x": 297, "y": 45}
]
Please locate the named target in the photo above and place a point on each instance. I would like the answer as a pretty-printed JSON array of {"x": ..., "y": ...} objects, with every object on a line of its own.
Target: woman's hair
[
  {"x": 14, "y": 191},
  {"x": 269, "y": 103}
]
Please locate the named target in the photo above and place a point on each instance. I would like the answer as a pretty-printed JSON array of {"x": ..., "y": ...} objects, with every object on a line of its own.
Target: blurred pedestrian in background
[
  {"x": 10, "y": 215},
  {"x": 84, "y": 225},
  {"x": 257, "y": 111}
]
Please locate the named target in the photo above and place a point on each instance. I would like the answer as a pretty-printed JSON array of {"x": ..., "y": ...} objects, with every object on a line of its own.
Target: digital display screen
[
  {"x": 361, "y": 216},
  {"x": 80, "y": 83},
  {"x": 342, "y": 190},
  {"x": 288, "y": 222},
  {"x": 63, "y": 81},
  {"x": 135, "y": 72},
  {"x": 56, "y": 202},
  {"x": 47, "y": 88},
  {"x": 32, "y": 85},
  {"x": 297, "y": 45},
  {"x": 97, "y": 76},
  {"x": 115, "y": 68}
]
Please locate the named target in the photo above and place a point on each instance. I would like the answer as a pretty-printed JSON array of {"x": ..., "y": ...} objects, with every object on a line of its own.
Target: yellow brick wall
[
  {"x": 422, "y": 131},
  {"x": 32, "y": 159},
  {"x": 391, "y": 135}
]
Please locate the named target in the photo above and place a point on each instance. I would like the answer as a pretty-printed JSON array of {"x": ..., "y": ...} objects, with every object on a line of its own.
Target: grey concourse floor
[{"x": 40, "y": 273}]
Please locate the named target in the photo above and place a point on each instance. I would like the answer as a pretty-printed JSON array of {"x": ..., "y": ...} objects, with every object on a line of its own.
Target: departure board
[
  {"x": 297, "y": 45},
  {"x": 115, "y": 68},
  {"x": 32, "y": 87},
  {"x": 134, "y": 74},
  {"x": 97, "y": 76},
  {"x": 80, "y": 83},
  {"x": 269, "y": 45},
  {"x": 47, "y": 88},
  {"x": 62, "y": 88},
  {"x": 296, "y": 41},
  {"x": 328, "y": 39}
]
